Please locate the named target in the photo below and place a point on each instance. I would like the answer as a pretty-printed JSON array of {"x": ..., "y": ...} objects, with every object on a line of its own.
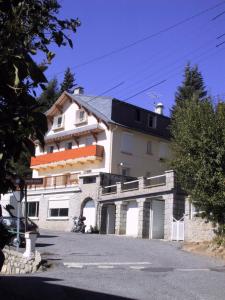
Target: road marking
[
  {"x": 105, "y": 267},
  {"x": 74, "y": 265},
  {"x": 137, "y": 267},
  {"x": 192, "y": 270}
]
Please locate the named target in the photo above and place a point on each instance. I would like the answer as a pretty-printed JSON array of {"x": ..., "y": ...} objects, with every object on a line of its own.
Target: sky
[{"x": 125, "y": 47}]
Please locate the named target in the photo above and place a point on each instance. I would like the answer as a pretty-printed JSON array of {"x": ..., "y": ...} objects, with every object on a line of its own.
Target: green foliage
[
  {"x": 68, "y": 82},
  {"x": 27, "y": 27},
  {"x": 49, "y": 95},
  {"x": 52, "y": 92},
  {"x": 198, "y": 143},
  {"x": 192, "y": 85}
]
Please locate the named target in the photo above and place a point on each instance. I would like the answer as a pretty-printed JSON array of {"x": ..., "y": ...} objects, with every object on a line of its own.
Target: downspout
[{"x": 111, "y": 144}]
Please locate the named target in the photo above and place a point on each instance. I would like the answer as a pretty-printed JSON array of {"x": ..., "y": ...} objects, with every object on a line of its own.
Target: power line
[
  {"x": 218, "y": 45},
  {"x": 114, "y": 87},
  {"x": 171, "y": 76},
  {"x": 220, "y": 36},
  {"x": 216, "y": 17},
  {"x": 147, "y": 37},
  {"x": 142, "y": 91}
]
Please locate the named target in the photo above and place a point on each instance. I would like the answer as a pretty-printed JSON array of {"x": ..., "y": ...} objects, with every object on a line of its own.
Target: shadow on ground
[
  {"x": 36, "y": 288},
  {"x": 48, "y": 236},
  {"x": 43, "y": 245}
]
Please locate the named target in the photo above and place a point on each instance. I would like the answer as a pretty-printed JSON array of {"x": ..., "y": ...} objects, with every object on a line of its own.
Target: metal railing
[
  {"x": 56, "y": 181},
  {"x": 155, "y": 180},
  {"x": 110, "y": 189},
  {"x": 149, "y": 182},
  {"x": 130, "y": 185}
]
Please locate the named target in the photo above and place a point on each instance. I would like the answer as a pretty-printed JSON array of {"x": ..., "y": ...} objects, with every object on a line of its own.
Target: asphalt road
[{"x": 85, "y": 266}]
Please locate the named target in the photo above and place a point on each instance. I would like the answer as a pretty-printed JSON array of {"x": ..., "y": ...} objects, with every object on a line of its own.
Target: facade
[{"x": 94, "y": 142}]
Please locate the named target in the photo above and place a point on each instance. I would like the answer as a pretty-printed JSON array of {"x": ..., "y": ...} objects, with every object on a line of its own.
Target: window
[
  {"x": 89, "y": 179},
  {"x": 68, "y": 145},
  {"x": 58, "y": 208},
  {"x": 33, "y": 209},
  {"x": 137, "y": 115},
  {"x": 152, "y": 121},
  {"x": 163, "y": 150},
  {"x": 50, "y": 149},
  {"x": 127, "y": 143},
  {"x": 58, "y": 122},
  {"x": 149, "y": 148},
  {"x": 81, "y": 116}
]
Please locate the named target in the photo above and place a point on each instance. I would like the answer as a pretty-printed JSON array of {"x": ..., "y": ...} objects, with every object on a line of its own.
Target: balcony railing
[
  {"x": 57, "y": 181},
  {"x": 166, "y": 181}
]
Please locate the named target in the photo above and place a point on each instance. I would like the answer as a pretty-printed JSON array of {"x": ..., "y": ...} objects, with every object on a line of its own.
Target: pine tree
[
  {"x": 68, "y": 82},
  {"x": 192, "y": 85},
  {"x": 49, "y": 95}
]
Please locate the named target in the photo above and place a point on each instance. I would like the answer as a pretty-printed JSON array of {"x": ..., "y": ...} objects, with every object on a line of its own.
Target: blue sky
[{"x": 108, "y": 25}]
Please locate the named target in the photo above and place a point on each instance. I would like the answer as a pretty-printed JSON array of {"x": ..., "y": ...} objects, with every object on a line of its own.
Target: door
[
  {"x": 132, "y": 219},
  {"x": 157, "y": 219},
  {"x": 89, "y": 214},
  {"x": 111, "y": 216}
]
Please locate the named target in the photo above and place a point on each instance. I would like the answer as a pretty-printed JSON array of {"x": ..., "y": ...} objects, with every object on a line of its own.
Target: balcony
[
  {"x": 68, "y": 157},
  {"x": 67, "y": 180}
]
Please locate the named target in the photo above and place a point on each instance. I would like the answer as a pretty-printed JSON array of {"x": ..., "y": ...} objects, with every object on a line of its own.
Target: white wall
[
  {"x": 139, "y": 162},
  {"x": 103, "y": 138}
]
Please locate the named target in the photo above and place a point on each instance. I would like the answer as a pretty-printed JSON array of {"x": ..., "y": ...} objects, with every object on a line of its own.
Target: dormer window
[
  {"x": 81, "y": 117},
  {"x": 58, "y": 122},
  {"x": 152, "y": 121}
]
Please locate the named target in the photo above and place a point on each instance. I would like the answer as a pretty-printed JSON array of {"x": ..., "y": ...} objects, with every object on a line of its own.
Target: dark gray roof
[{"x": 99, "y": 105}]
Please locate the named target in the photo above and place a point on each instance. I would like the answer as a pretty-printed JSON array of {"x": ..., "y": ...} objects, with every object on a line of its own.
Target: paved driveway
[{"x": 116, "y": 267}]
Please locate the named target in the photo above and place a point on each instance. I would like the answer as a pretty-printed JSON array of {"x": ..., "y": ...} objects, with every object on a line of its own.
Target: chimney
[
  {"x": 159, "y": 108},
  {"x": 78, "y": 90}
]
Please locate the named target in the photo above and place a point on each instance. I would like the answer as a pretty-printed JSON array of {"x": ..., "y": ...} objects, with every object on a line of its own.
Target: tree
[
  {"x": 192, "y": 85},
  {"x": 68, "y": 82},
  {"x": 198, "y": 143},
  {"x": 49, "y": 95},
  {"x": 27, "y": 27}
]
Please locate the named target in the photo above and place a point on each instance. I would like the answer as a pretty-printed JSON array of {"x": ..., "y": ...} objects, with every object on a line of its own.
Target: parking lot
[{"x": 89, "y": 266}]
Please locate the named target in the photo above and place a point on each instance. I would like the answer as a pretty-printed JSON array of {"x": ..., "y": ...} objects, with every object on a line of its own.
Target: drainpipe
[{"x": 111, "y": 143}]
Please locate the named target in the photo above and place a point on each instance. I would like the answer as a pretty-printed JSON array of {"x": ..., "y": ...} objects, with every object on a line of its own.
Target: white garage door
[
  {"x": 158, "y": 212},
  {"x": 132, "y": 219},
  {"x": 89, "y": 214}
]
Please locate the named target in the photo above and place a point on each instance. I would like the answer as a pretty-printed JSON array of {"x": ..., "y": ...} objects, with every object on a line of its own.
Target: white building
[{"x": 88, "y": 139}]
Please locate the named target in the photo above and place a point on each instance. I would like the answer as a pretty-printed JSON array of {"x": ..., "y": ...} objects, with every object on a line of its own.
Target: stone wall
[
  {"x": 198, "y": 230},
  {"x": 15, "y": 263}
]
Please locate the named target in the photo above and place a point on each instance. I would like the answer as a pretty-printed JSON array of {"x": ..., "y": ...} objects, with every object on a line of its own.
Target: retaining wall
[{"x": 15, "y": 263}]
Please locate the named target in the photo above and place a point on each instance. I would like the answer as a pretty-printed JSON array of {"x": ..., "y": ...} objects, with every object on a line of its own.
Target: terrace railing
[{"x": 57, "y": 181}]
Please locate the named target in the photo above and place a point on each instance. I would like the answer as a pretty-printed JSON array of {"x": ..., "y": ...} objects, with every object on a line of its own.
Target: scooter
[{"x": 79, "y": 225}]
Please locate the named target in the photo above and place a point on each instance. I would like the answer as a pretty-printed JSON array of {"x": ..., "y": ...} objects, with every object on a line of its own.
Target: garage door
[
  {"x": 89, "y": 214},
  {"x": 157, "y": 214},
  {"x": 132, "y": 219}
]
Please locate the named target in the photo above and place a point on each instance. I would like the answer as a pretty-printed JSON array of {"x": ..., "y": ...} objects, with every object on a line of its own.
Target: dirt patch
[{"x": 205, "y": 248}]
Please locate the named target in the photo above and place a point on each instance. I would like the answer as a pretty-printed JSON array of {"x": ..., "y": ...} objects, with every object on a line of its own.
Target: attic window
[
  {"x": 58, "y": 122},
  {"x": 137, "y": 115},
  {"x": 81, "y": 117},
  {"x": 152, "y": 121}
]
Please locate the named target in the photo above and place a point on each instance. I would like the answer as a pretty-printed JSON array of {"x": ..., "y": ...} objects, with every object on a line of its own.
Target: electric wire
[{"x": 147, "y": 37}]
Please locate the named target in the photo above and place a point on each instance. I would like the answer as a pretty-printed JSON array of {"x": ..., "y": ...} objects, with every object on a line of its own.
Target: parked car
[{"x": 10, "y": 223}]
